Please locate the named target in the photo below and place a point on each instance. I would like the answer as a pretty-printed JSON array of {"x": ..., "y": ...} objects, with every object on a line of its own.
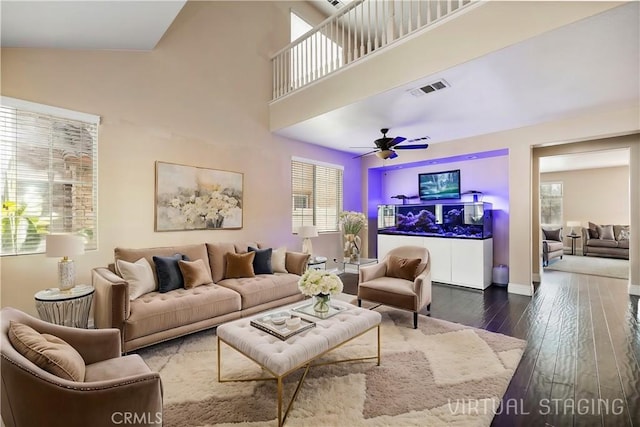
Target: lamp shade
[
  {"x": 64, "y": 245},
  {"x": 308, "y": 231},
  {"x": 574, "y": 223}
]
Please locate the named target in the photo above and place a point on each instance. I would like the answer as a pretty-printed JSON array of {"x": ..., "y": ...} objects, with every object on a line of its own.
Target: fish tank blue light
[{"x": 456, "y": 220}]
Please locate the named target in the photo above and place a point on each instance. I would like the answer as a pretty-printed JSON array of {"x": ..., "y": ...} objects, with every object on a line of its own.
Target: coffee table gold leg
[
  {"x": 378, "y": 345},
  {"x": 219, "y": 376},
  {"x": 280, "y": 420}
]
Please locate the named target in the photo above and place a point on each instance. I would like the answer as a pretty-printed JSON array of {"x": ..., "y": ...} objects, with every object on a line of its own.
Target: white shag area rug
[{"x": 439, "y": 374}]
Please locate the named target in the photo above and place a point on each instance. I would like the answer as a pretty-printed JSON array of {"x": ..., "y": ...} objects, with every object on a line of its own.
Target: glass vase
[
  {"x": 352, "y": 244},
  {"x": 321, "y": 303}
]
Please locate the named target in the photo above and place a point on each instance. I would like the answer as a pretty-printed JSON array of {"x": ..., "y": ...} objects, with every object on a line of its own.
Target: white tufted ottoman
[{"x": 281, "y": 358}]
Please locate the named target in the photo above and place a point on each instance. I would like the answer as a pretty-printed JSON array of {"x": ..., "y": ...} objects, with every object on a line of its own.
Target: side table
[
  {"x": 67, "y": 308},
  {"x": 573, "y": 238},
  {"x": 318, "y": 263}
]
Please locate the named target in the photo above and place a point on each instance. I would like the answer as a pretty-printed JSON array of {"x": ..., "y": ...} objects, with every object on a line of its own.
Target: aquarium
[{"x": 460, "y": 220}]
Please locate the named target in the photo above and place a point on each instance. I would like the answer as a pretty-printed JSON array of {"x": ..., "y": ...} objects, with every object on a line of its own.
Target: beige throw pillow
[
  {"x": 139, "y": 275},
  {"x": 47, "y": 352},
  {"x": 402, "y": 268},
  {"x": 606, "y": 232},
  {"x": 278, "y": 257},
  {"x": 239, "y": 265},
  {"x": 195, "y": 273}
]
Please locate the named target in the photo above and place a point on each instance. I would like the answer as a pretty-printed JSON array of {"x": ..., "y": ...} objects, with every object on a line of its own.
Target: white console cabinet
[{"x": 462, "y": 262}]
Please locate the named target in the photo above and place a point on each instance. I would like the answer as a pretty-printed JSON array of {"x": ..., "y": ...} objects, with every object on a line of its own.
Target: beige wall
[
  {"x": 200, "y": 98},
  {"x": 597, "y": 195}
]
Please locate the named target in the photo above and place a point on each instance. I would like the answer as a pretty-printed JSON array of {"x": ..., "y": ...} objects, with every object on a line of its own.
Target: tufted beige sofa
[{"x": 155, "y": 317}]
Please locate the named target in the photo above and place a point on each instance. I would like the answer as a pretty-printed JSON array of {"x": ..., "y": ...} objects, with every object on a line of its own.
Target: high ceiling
[{"x": 591, "y": 65}]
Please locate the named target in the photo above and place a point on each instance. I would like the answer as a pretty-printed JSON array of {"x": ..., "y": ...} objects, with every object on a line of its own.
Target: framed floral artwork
[{"x": 195, "y": 198}]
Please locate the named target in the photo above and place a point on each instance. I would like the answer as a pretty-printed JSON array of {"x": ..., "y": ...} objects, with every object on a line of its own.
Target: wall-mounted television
[{"x": 439, "y": 185}]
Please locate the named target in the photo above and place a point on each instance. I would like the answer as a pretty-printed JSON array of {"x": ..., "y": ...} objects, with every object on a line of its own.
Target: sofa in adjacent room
[
  {"x": 606, "y": 240},
  {"x": 156, "y": 294}
]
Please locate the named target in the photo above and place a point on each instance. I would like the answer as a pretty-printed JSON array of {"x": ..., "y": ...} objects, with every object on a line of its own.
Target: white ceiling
[
  {"x": 587, "y": 160},
  {"x": 135, "y": 25},
  {"x": 589, "y": 65}
]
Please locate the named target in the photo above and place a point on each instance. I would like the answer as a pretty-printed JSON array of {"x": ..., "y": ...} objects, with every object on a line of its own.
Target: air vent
[
  {"x": 335, "y": 3},
  {"x": 432, "y": 87}
]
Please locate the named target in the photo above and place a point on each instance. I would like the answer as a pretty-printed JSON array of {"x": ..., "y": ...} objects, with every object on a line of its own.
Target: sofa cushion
[
  {"x": 217, "y": 261},
  {"x": 239, "y": 265},
  {"x": 193, "y": 252},
  {"x": 602, "y": 243},
  {"x": 168, "y": 272},
  {"x": 278, "y": 259},
  {"x": 593, "y": 231},
  {"x": 195, "y": 273},
  {"x": 623, "y": 244},
  {"x": 263, "y": 288},
  {"x": 402, "y": 268},
  {"x": 552, "y": 234},
  {"x": 262, "y": 260},
  {"x": 243, "y": 247},
  {"x": 606, "y": 232},
  {"x": 156, "y": 312},
  {"x": 48, "y": 352},
  {"x": 117, "y": 367},
  {"x": 138, "y": 275}
]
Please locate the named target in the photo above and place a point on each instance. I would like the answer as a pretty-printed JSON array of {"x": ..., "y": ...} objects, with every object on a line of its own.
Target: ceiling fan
[{"x": 386, "y": 146}]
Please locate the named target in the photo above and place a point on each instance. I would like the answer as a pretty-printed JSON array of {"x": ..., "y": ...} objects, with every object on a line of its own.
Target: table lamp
[
  {"x": 573, "y": 224},
  {"x": 64, "y": 245},
  {"x": 307, "y": 231}
]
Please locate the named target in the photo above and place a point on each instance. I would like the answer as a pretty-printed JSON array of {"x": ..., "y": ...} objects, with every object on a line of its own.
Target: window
[
  {"x": 316, "y": 194},
  {"x": 551, "y": 203},
  {"x": 48, "y": 175}
]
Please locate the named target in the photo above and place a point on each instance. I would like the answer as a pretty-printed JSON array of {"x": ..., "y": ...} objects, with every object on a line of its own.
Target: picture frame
[{"x": 197, "y": 198}]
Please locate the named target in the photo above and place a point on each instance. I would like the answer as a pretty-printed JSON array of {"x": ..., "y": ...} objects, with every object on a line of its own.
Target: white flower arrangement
[
  {"x": 209, "y": 208},
  {"x": 352, "y": 222},
  {"x": 314, "y": 282}
]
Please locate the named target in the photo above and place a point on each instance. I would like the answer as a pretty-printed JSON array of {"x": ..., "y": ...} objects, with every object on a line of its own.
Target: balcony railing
[{"x": 352, "y": 33}]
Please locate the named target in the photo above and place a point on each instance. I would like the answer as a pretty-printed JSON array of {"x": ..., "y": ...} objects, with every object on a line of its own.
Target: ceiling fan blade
[
  {"x": 365, "y": 154},
  {"x": 423, "y": 138},
  {"x": 393, "y": 155},
  {"x": 397, "y": 140},
  {"x": 411, "y": 147}
]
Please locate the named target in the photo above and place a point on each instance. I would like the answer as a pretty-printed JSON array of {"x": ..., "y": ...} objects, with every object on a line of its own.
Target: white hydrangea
[{"x": 314, "y": 282}]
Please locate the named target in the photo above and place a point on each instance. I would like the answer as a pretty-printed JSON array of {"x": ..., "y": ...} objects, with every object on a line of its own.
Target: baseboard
[
  {"x": 634, "y": 289},
  {"x": 517, "y": 288}
]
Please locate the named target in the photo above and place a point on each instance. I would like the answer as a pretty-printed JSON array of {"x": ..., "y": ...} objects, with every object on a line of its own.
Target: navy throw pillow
[
  {"x": 168, "y": 271},
  {"x": 262, "y": 260}
]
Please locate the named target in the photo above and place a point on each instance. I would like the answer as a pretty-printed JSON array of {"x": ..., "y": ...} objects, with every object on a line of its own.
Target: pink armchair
[{"x": 389, "y": 282}]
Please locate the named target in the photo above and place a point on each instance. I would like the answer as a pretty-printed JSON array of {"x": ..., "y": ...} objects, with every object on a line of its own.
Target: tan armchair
[
  {"x": 115, "y": 386},
  {"x": 376, "y": 285}
]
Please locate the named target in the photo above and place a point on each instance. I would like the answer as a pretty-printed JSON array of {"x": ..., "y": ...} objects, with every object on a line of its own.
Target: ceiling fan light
[{"x": 384, "y": 154}]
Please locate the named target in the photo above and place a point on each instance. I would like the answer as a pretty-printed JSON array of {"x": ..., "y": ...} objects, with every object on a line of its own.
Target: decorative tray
[
  {"x": 309, "y": 311},
  {"x": 280, "y": 330}
]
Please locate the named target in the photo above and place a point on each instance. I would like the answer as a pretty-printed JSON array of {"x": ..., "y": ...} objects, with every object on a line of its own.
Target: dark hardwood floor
[{"x": 581, "y": 366}]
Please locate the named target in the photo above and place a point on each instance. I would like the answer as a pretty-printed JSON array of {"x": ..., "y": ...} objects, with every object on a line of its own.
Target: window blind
[
  {"x": 48, "y": 175},
  {"x": 316, "y": 194}
]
